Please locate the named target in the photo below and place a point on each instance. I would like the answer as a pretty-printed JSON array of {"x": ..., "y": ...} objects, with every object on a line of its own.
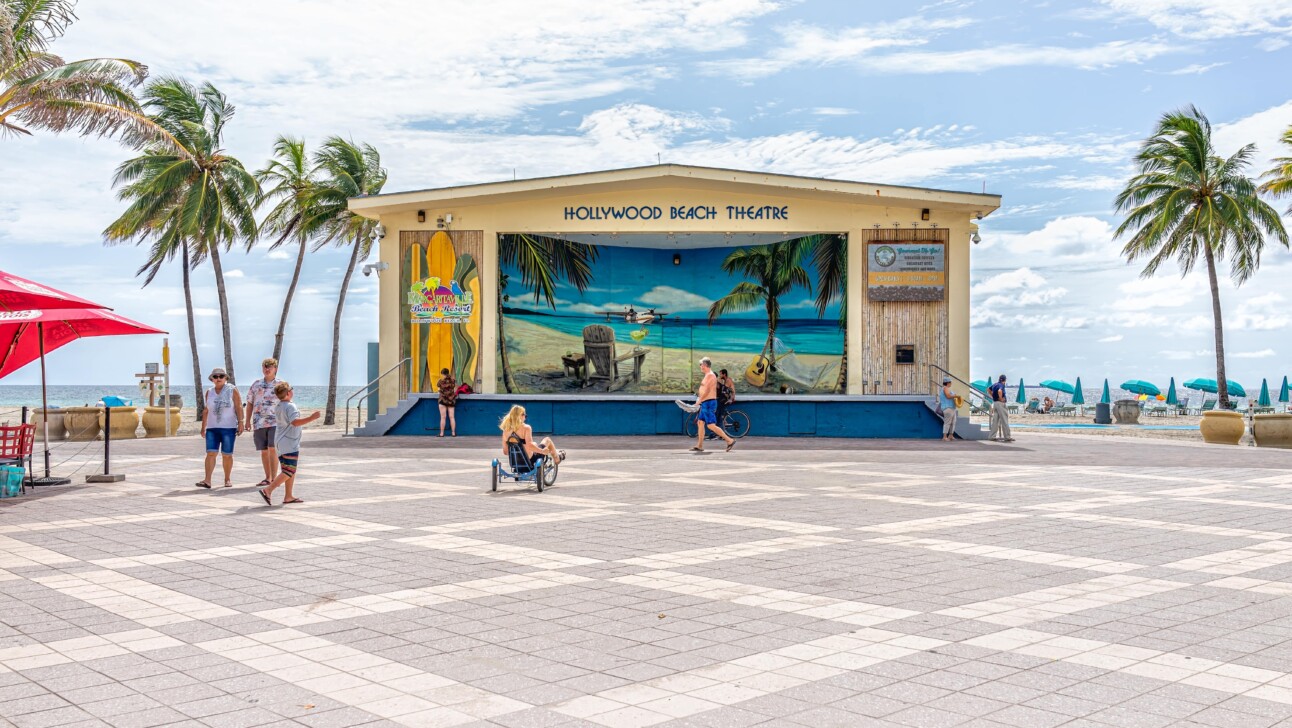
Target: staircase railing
[
  {"x": 366, "y": 390},
  {"x": 935, "y": 383}
]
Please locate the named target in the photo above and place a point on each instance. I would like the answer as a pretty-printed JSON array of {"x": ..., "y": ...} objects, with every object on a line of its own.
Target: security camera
[
  {"x": 976, "y": 238},
  {"x": 377, "y": 267},
  {"x": 380, "y": 231}
]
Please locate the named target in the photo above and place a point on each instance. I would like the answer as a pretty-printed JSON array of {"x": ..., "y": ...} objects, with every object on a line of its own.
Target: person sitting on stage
[{"x": 515, "y": 429}]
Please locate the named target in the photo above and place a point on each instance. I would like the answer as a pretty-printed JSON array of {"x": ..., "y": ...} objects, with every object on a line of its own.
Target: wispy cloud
[{"x": 1207, "y": 20}]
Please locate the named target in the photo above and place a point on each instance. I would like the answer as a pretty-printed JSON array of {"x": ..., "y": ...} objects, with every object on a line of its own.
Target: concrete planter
[
  {"x": 1272, "y": 430},
  {"x": 57, "y": 427},
  {"x": 155, "y": 421},
  {"x": 125, "y": 420},
  {"x": 1126, "y": 412},
  {"x": 1221, "y": 428},
  {"x": 82, "y": 423}
]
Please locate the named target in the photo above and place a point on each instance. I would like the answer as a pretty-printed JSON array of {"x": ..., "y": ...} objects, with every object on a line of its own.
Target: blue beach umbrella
[
  {"x": 1107, "y": 397},
  {"x": 1078, "y": 397},
  {"x": 1139, "y": 386},
  {"x": 1171, "y": 398},
  {"x": 1264, "y": 400},
  {"x": 1058, "y": 386},
  {"x": 1209, "y": 386},
  {"x": 1022, "y": 393},
  {"x": 1283, "y": 393}
]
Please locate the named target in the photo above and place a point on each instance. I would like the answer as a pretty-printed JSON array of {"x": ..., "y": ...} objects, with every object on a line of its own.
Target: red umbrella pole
[{"x": 44, "y": 399}]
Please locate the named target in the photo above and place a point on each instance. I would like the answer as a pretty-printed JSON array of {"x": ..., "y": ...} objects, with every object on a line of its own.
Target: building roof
[{"x": 677, "y": 175}]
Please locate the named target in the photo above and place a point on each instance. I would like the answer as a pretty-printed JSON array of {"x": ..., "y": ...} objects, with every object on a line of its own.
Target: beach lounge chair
[
  {"x": 1033, "y": 408},
  {"x": 599, "y": 350},
  {"x": 1209, "y": 404},
  {"x": 1065, "y": 409}
]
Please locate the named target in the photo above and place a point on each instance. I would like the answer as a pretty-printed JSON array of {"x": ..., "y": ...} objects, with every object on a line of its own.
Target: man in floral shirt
[{"x": 262, "y": 417}]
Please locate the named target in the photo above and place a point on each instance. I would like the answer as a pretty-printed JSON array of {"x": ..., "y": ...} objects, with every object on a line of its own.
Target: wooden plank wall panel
[{"x": 889, "y": 323}]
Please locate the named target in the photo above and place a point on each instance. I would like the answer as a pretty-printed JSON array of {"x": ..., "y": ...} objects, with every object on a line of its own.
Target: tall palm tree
[
  {"x": 344, "y": 170},
  {"x": 287, "y": 178},
  {"x": 197, "y": 200},
  {"x": 775, "y": 270},
  {"x": 1278, "y": 180},
  {"x": 541, "y": 262},
  {"x": 1187, "y": 203},
  {"x": 39, "y": 90},
  {"x": 830, "y": 259}
]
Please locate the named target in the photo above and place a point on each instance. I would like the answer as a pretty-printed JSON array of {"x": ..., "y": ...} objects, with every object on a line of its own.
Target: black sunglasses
[{"x": 219, "y": 376}]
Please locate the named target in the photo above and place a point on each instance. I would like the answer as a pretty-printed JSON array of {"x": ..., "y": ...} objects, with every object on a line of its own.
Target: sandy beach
[{"x": 535, "y": 352}]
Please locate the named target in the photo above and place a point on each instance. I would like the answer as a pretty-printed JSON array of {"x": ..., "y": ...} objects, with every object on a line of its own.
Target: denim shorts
[{"x": 221, "y": 439}]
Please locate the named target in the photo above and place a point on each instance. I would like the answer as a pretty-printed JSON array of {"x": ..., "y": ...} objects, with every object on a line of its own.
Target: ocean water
[
  {"x": 804, "y": 336},
  {"x": 1093, "y": 394},
  {"x": 14, "y": 396}
]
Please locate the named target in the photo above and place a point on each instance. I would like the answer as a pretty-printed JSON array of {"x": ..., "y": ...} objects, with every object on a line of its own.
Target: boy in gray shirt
[{"x": 287, "y": 440}]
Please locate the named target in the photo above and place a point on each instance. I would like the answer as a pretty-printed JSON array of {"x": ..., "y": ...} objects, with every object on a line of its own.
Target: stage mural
[
  {"x": 439, "y": 314},
  {"x": 582, "y": 318}
]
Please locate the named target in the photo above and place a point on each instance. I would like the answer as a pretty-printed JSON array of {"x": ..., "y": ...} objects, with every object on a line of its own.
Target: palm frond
[{"x": 744, "y": 296}]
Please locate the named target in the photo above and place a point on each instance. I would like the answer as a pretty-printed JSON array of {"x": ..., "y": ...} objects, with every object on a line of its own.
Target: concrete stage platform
[{"x": 866, "y": 416}]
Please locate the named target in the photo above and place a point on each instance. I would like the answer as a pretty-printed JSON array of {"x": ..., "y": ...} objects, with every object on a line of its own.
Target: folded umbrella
[
  {"x": 1171, "y": 397},
  {"x": 1107, "y": 397},
  {"x": 1022, "y": 393},
  {"x": 1078, "y": 397},
  {"x": 1283, "y": 393},
  {"x": 1264, "y": 400}
]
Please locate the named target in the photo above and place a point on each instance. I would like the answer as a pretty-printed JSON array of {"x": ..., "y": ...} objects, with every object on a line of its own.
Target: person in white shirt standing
[
  {"x": 262, "y": 416},
  {"x": 221, "y": 425}
]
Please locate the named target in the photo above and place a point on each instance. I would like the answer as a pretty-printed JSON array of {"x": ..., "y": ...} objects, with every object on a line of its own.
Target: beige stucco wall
[{"x": 806, "y": 215}]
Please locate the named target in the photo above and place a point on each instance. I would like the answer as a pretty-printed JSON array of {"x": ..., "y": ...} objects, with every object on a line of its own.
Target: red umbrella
[
  {"x": 18, "y": 294},
  {"x": 27, "y": 334}
]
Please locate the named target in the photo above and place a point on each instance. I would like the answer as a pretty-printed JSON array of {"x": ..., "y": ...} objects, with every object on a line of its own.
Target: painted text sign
[
  {"x": 678, "y": 212},
  {"x": 906, "y": 271}
]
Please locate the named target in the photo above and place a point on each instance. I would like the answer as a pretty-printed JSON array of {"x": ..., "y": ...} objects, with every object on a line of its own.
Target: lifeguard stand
[{"x": 148, "y": 381}]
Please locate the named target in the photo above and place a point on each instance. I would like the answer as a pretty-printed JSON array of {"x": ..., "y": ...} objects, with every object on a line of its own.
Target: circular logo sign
[{"x": 885, "y": 256}]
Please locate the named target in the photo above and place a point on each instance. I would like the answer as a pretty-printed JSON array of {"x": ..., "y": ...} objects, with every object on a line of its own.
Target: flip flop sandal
[
  {"x": 562, "y": 454},
  {"x": 731, "y": 445},
  {"x": 294, "y": 500},
  {"x": 202, "y": 484},
  {"x": 228, "y": 484},
  {"x": 265, "y": 495},
  {"x": 262, "y": 483},
  {"x": 697, "y": 449}
]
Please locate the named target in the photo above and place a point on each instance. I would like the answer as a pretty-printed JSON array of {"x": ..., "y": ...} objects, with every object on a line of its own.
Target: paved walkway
[{"x": 1057, "y": 581}]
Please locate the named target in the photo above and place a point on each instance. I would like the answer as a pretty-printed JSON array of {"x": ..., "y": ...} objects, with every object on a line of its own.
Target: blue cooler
[{"x": 11, "y": 480}]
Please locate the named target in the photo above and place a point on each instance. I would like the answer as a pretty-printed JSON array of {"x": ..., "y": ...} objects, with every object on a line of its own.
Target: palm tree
[
  {"x": 541, "y": 262},
  {"x": 1279, "y": 177},
  {"x": 344, "y": 170},
  {"x": 288, "y": 177},
  {"x": 1187, "y": 203},
  {"x": 830, "y": 259},
  {"x": 39, "y": 90},
  {"x": 194, "y": 201},
  {"x": 775, "y": 269}
]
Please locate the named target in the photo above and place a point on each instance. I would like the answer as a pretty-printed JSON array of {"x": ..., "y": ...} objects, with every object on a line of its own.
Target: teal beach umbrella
[
  {"x": 1264, "y": 400},
  {"x": 1139, "y": 386},
  {"x": 1022, "y": 393},
  {"x": 1058, "y": 386},
  {"x": 981, "y": 385},
  {"x": 1209, "y": 386},
  {"x": 1170, "y": 393},
  {"x": 1107, "y": 398},
  {"x": 1283, "y": 393},
  {"x": 1078, "y": 397}
]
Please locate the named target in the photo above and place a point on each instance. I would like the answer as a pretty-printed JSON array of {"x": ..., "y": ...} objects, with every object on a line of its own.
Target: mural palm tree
[
  {"x": 1187, "y": 203},
  {"x": 345, "y": 170},
  {"x": 288, "y": 177},
  {"x": 541, "y": 262},
  {"x": 830, "y": 259},
  {"x": 774, "y": 271},
  {"x": 1279, "y": 177}
]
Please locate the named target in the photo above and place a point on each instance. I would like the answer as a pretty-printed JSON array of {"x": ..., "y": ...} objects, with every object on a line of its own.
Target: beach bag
[
  {"x": 11, "y": 480},
  {"x": 465, "y": 388}
]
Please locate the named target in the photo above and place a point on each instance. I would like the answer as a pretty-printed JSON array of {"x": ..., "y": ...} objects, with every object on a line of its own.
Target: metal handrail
[
  {"x": 935, "y": 382},
  {"x": 366, "y": 390}
]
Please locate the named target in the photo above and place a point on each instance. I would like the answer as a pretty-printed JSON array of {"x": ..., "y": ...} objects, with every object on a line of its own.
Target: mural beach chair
[{"x": 604, "y": 360}]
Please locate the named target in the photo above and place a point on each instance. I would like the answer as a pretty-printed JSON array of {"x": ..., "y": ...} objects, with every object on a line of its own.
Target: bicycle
[{"x": 734, "y": 422}]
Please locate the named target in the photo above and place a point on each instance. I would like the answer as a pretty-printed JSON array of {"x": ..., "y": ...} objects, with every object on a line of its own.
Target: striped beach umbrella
[
  {"x": 1107, "y": 397},
  {"x": 1264, "y": 400},
  {"x": 1171, "y": 397},
  {"x": 1022, "y": 393},
  {"x": 1077, "y": 396}
]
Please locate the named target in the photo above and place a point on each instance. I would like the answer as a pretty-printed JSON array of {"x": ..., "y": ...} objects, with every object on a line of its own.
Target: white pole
[{"x": 166, "y": 379}]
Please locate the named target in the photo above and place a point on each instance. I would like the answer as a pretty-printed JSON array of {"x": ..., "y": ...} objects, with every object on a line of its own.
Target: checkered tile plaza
[{"x": 1057, "y": 581}]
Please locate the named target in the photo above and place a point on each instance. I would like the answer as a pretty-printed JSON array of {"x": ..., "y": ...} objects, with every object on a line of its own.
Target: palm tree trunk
[
  {"x": 508, "y": 381},
  {"x": 1222, "y": 383},
  {"x": 841, "y": 384},
  {"x": 224, "y": 312},
  {"x": 287, "y": 303},
  {"x": 329, "y": 416},
  {"x": 192, "y": 336}
]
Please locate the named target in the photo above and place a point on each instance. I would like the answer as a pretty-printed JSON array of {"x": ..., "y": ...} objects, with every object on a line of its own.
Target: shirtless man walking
[{"x": 707, "y": 396}]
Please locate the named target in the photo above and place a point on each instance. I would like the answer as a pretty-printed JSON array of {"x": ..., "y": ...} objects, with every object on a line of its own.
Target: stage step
[{"x": 381, "y": 424}]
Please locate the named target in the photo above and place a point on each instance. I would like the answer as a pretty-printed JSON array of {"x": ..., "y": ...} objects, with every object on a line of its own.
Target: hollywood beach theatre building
[{"x": 590, "y": 298}]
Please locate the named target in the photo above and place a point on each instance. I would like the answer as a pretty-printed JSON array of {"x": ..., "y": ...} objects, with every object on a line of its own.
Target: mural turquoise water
[{"x": 804, "y": 336}]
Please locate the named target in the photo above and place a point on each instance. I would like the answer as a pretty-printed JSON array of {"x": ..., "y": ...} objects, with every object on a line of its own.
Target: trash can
[{"x": 1103, "y": 413}]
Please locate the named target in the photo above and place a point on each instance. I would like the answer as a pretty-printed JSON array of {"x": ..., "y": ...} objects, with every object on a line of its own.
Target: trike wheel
[
  {"x": 495, "y": 477},
  {"x": 550, "y": 472}
]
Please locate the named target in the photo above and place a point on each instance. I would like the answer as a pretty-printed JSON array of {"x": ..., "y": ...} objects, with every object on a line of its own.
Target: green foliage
[
  {"x": 543, "y": 261},
  {"x": 774, "y": 270},
  {"x": 1278, "y": 180}
]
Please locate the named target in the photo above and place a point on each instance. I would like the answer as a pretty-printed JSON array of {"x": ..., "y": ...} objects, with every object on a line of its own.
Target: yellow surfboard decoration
[
  {"x": 414, "y": 330},
  {"x": 440, "y": 262}
]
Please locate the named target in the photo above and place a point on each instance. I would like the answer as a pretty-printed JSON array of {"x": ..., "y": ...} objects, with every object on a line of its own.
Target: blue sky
[{"x": 1041, "y": 102}]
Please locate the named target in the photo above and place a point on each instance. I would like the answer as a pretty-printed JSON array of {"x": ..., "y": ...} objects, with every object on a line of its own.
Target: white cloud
[
  {"x": 235, "y": 273},
  {"x": 1196, "y": 69},
  {"x": 1262, "y": 128},
  {"x": 278, "y": 254},
  {"x": 1162, "y": 291},
  {"x": 678, "y": 299},
  {"x": 1175, "y": 355},
  {"x": 1262, "y": 354},
  {"x": 1267, "y": 312},
  {"x": 833, "y": 111},
  {"x": 1022, "y": 278},
  {"x": 1097, "y": 182},
  {"x": 977, "y": 60},
  {"x": 197, "y": 312},
  {"x": 984, "y": 318},
  {"x": 1072, "y": 237},
  {"x": 1111, "y": 339},
  {"x": 1208, "y": 20}
]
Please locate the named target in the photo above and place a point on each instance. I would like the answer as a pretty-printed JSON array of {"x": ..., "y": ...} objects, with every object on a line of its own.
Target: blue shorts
[
  {"x": 708, "y": 413},
  {"x": 221, "y": 438}
]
